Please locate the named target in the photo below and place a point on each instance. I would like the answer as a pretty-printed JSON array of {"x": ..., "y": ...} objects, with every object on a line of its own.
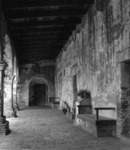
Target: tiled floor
[{"x": 50, "y": 129}]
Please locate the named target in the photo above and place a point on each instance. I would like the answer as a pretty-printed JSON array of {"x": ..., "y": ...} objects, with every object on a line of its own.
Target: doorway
[
  {"x": 37, "y": 95},
  {"x": 125, "y": 98},
  {"x": 75, "y": 88}
]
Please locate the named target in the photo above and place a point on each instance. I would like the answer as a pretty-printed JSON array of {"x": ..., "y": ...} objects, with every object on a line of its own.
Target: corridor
[{"x": 49, "y": 129}]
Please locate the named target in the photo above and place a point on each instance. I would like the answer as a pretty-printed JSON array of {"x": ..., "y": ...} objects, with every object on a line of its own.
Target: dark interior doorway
[
  {"x": 75, "y": 88},
  {"x": 38, "y": 95},
  {"x": 125, "y": 97},
  {"x": 74, "y": 82}
]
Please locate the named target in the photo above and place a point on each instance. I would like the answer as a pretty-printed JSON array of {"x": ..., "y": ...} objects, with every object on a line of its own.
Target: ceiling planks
[{"x": 40, "y": 28}]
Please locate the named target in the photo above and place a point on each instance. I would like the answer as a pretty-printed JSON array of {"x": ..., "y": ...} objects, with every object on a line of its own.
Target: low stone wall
[
  {"x": 87, "y": 122},
  {"x": 100, "y": 128}
]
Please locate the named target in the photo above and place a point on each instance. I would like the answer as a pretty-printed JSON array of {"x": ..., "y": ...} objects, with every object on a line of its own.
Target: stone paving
[{"x": 50, "y": 129}]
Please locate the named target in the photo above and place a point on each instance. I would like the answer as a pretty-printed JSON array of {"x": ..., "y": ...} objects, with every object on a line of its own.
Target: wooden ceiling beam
[
  {"x": 42, "y": 13},
  {"x": 29, "y": 55},
  {"x": 48, "y": 7},
  {"x": 56, "y": 51},
  {"x": 41, "y": 26},
  {"x": 46, "y": 56},
  {"x": 40, "y": 33},
  {"x": 41, "y": 43},
  {"x": 26, "y": 61},
  {"x": 51, "y": 56},
  {"x": 44, "y": 18},
  {"x": 37, "y": 3},
  {"x": 33, "y": 30},
  {"x": 39, "y": 50},
  {"x": 45, "y": 23},
  {"x": 35, "y": 48},
  {"x": 38, "y": 46},
  {"x": 40, "y": 38},
  {"x": 38, "y": 56},
  {"x": 29, "y": 42}
]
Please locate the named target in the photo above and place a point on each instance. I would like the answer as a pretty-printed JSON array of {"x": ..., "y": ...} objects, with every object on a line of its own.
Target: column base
[
  {"x": 13, "y": 114},
  {"x": 10, "y": 114},
  {"x": 4, "y": 128}
]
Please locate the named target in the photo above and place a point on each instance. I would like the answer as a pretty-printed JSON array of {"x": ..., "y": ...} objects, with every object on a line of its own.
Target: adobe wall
[
  {"x": 11, "y": 73},
  {"x": 94, "y": 54}
]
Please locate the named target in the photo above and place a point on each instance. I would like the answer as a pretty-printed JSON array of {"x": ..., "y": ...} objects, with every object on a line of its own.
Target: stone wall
[
  {"x": 10, "y": 74},
  {"x": 41, "y": 72},
  {"x": 94, "y": 54}
]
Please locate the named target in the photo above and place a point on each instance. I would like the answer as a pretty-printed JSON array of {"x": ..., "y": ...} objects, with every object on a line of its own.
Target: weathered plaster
[
  {"x": 98, "y": 48},
  {"x": 11, "y": 74}
]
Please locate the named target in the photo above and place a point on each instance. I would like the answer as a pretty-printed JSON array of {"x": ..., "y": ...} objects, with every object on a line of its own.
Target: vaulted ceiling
[{"x": 40, "y": 28}]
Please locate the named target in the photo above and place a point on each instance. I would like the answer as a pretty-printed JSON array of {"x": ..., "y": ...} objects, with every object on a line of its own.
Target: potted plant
[
  {"x": 84, "y": 105},
  {"x": 84, "y": 94}
]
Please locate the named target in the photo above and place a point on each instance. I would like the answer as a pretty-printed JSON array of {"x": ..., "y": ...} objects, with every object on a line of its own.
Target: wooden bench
[
  {"x": 105, "y": 126},
  {"x": 98, "y": 126}
]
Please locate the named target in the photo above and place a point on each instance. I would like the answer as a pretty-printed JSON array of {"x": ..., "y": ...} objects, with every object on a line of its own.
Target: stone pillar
[
  {"x": 12, "y": 98},
  {"x": 4, "y": 125},
  {"x": 9, "y": 109}
]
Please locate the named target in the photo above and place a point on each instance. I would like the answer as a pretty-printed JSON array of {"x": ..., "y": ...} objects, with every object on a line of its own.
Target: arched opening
[
  {"x": 26, "y": 90},
  {"x": 38, "y": 94},
  {"x": 38, "y": 91}
]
